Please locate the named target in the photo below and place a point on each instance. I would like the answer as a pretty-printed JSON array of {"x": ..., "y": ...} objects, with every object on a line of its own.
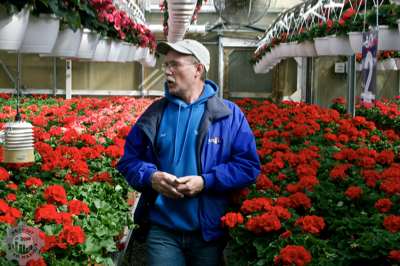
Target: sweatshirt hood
[{"x": 209, "y": 90}]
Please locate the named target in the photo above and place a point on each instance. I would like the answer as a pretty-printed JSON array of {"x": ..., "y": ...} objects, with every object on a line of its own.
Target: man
[{"x": 186, "y": 153}]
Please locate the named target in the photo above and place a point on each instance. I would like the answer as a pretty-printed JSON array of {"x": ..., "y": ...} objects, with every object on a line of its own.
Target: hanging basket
[
  {"x": 102, "y": 50},
  {"x": 41, "y": 34},
  {"x": 380, "y": 66},
  {"x": 88, "y": 44},
  {"x": 388, "y": 39},
  {"x": 355, "y": 39},
  {"x": 67, "y": 43},
  {"x": 124, "y": 53},
  {"x": 322, "y": 46},
  {"x": 116, "y": 47},
  {"x": 397, "y": 60},
  {"x": 149, "y": 61},
  {"x": 340, "y": 45},
  {"x": 12, "y": 30},
  {"x": 308, "y": 49},
  {"x": 389, "y": 64}
]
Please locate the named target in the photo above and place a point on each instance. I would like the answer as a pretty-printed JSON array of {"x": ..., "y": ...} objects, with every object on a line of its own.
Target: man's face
[{"x": 180, "y": 72}]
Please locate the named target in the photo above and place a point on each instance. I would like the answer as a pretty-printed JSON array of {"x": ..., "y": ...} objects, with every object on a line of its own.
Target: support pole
[
  {"x": 68, "y": 79},
  {"x": 141, "y": 80},
  {"x": 308, "y": 81},
  {"x": 18, "y": 85},
  {"x": 220, "y": 66},
  {"x": 54, "y": 76},
  {"x": 351, "y": 85}
]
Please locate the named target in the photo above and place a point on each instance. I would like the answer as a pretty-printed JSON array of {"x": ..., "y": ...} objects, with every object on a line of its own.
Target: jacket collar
[
  {"x": 216, "y": 108},
  {"x": 151, "y": 118}
]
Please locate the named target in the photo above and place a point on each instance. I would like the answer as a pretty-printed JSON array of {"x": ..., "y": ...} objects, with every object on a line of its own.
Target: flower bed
[
  {"x": 329, "y": 189},
  {"x": 72, "y": 193}
]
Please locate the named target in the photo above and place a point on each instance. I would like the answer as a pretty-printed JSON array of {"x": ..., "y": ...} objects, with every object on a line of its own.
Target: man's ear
[{"x": 200, "y": 69}]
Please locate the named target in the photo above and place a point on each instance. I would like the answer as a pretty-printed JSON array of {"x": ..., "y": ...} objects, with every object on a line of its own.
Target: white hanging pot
[
  {"x": 141, "y": 53},
  {"x": 102, "y": 50},
  {"x": 88, "y": 44},
  {"x": 67, "y": 43},
  {"x": 308, "y": 48},
  {"x": 285, "y": 49},
  {"x": 340, "y": 45},
  {"x": 149, "y": 61},
  {"x": 355, "y": 39},
  {"x": 132, "y": 51},
  {"x": 322, "y": 46},
  {"x": 398, "y": 24},
  {"x": 388, "y": 39},
  {"x": 116, "y": 47},
  {"x": 12, "y": 29},
  {"x": 275, "y": 50},
  {"x": 41, "y": 34},
  {"x": 397, "y": 61},
  {"x": 389, "y": 64},
  {"x": 300, "y": 52},
  {"x": 124, "y": 53},
  {"x": 380, "y": 66},
  {"x": 358, "y": 66}
]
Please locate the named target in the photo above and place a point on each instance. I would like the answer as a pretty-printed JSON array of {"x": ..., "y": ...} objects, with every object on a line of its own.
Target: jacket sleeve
[
  {"x": 134, "y": 166},
  {"x": 243, "y": 165}
]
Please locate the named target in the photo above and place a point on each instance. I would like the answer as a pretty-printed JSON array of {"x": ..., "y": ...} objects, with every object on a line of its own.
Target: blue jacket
[{"x": 227, "y": 155}]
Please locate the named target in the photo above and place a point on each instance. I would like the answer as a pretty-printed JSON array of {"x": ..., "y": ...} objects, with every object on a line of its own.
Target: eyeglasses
[{"x": 173, "y": 65}]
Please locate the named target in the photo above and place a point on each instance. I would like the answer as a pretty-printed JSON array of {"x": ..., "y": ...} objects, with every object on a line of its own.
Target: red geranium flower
[
  {"x": 33, "y": 181},
  {"x": 394, "y": 255},
  {"x": 4, "y": 175},
  {"x": 311, "y": 224},
  {"x": 55, "y": 194},
  {"x": 383, "y": 205},
  {"x": 231, "y": 219},
  {"x": 392, "y": 223},
  {"x": 293, "y": 255},
  {"x": 353, "y": 192},
  {"x": 72, "y": 235},
  {"x": 77, "y": 207}
]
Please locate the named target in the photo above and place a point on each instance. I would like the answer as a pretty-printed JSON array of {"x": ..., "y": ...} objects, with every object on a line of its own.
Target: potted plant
[{"x": 389, "y": 36}]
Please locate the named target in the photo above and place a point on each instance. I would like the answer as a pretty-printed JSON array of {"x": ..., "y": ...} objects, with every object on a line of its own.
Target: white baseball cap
[{"x": 188, "y": 47}]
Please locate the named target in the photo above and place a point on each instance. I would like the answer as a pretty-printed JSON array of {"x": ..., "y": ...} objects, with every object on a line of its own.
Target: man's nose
[{"x": 168, "y": 71}]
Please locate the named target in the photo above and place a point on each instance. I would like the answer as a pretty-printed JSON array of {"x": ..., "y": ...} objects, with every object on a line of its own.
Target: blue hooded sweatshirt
[{"x": 176, "y": 145}]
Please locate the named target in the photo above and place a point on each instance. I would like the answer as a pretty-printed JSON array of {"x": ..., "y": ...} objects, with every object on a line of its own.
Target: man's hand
[
  {"x": 190, "y": 185},
  {"x": 166, "y": 184}
]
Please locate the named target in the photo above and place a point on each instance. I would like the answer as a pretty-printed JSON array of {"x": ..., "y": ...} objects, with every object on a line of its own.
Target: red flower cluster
[
  {"x": 392, "y": 223},
  {"x": 8, "y": 214},
  {"x": 394, "y": 255},
  {"x": 4, "y": 175},
  {"x": 231, "y": 219},
  {"x": 77, "y": 207},
  {"x": 311, "y": 224},
  {"x": 293, "y": 255},
  {"x": 383, "y": 205},
  {"x": 33, "y": 182},
  {"x": 55, "y": 194},
  {"x": 263, "y": 223},
  {"x": 354, "y": 192}
]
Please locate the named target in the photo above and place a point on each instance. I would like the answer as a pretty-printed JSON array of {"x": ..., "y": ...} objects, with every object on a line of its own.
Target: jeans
[{"x": 171, "y": 248}]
